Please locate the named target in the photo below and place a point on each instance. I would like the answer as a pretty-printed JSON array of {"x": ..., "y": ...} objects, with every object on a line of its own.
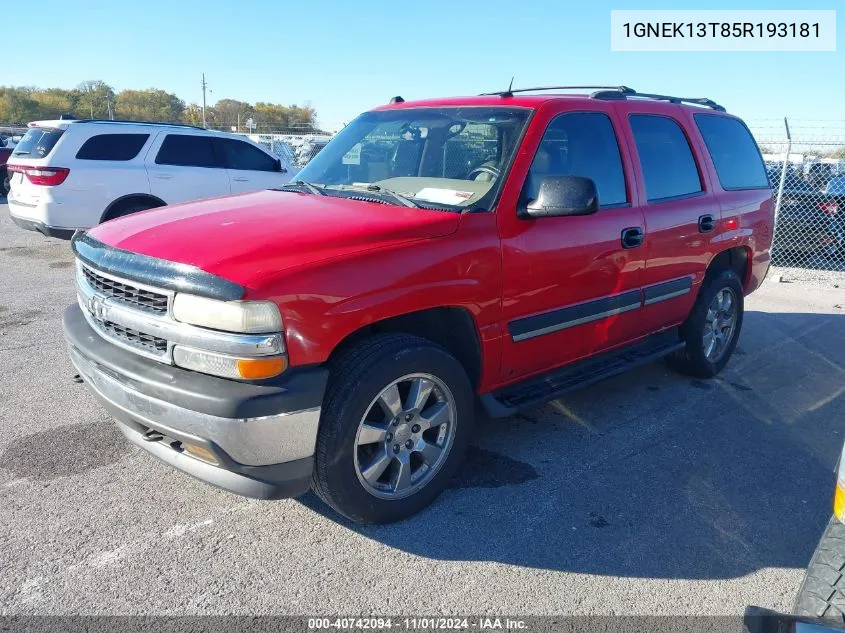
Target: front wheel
[
  {"x": 395, "y": 423},
  {"x": 712, "y": 329}
]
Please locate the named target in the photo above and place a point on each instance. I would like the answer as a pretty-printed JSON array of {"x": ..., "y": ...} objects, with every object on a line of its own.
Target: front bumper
[{"x": 258, "y": 438}]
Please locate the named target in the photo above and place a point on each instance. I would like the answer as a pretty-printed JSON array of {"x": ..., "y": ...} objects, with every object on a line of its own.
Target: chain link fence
[
  {"x": 294, "y": 149},
  {"x": 805, "y": 161}
]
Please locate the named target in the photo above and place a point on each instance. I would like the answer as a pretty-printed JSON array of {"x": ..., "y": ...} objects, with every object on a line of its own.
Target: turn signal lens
[
  {"x": 258, "y": 368},
  {"x": 839, "y": 502},
  {"x": 200, "y": 452},
  {"x": 229, "y": 366}
]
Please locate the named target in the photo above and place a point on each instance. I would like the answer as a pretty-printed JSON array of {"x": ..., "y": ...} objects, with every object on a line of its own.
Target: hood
[{"x": 246, "y": 237}]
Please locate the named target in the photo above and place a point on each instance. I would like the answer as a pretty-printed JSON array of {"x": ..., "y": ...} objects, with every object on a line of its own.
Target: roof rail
[
  {"x": 510, "y": 92},
  {"x": 620, "y": 94},
  {"x": 195, "y": 127},
  {"x": 610, "y": 93}
]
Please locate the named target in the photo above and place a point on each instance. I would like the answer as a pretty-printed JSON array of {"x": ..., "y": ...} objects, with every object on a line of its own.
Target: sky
[{"x": 347, "y": 57}]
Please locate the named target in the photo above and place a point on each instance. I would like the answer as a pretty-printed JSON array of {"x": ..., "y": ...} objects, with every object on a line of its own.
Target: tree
[
  {"x": 275, "y": 116},
  {"x": 17, "y": 106},
  {"x": 54, "y": 102},
  {"x": 192, "y": 115},
  {"x": 149, "y": 105},
  {"x": 227, "y": 112},
  {"x": 93, "y": 99}
]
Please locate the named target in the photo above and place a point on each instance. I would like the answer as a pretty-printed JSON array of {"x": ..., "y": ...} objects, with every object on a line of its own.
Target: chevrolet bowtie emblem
[{"x": 97, "y": 308}]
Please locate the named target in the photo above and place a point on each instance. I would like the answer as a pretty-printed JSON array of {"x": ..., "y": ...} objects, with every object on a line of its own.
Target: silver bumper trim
[{"x": 249, "y": 441}]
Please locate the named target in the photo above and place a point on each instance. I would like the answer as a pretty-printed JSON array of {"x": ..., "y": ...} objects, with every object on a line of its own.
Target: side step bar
[{"x": 558, "y": 382}]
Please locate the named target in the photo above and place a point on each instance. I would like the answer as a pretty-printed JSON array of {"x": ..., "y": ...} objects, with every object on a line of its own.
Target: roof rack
[
  {"x": 195, "y": 127},
  {"x": 610, "y": 93},
  {"x": 510, "y": 91}
]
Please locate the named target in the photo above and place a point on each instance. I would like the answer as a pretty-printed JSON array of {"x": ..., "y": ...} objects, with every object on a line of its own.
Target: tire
[
  {"x": 822, "y": 593},
  {"x": 357, "y": 377},
  {"x": 5, "y": 182},
  {"x": 693, "y": 360},
  {"x": 128, "y": 208}
]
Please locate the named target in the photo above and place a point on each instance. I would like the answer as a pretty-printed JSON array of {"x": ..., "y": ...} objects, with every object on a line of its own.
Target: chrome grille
[
  {"x": 133, "y": 295},
  {"x": 134, "y": 337}
]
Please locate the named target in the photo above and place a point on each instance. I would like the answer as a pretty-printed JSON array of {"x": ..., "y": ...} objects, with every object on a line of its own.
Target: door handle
[
  {"x": 632, "y": 237},
  {"x": 163, "y": 176},
  {"x": 706, "y": 223},
  {"x": 241, "y": 179}
]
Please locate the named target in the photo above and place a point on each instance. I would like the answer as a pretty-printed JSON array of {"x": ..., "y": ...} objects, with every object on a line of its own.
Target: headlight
[
  {"x": 249, "y": 317},
  {"x": 228, "y": 366}
]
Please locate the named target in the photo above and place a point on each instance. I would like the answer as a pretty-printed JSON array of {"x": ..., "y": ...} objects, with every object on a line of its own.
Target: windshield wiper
[
  {"x": 396, "y": 196},
  {"x": 305, "y": 185}
]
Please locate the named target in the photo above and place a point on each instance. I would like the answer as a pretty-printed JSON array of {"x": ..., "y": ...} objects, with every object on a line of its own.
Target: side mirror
[{"x": 563, "y": 195}]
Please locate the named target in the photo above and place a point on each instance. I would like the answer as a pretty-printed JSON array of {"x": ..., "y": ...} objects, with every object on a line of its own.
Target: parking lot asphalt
[{"x": 649, "y": 493}]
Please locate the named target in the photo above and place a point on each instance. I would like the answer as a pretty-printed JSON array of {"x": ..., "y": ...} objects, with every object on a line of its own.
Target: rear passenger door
[
  {"x": 184, "y": 167},
  {"x": 681, "y": 212},
  {"x": 249, "y": 168}
]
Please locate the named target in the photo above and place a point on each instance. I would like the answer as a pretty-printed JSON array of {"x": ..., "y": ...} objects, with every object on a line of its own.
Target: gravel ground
[{"x": 647, "y": 494}]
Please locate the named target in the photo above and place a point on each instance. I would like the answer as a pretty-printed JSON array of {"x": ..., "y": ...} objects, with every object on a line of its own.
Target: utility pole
[
  {"x": 108, "y": 104},
  {"x": 204, "y": 87}
]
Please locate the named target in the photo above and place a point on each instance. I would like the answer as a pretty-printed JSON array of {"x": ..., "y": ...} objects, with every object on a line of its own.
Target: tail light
[
  {"x": 47, "y": 176},
  {"x": 829, "y": 208}
]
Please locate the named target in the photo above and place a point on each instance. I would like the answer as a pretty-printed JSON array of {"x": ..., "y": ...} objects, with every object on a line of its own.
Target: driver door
[{"x": 570, "y": 287}]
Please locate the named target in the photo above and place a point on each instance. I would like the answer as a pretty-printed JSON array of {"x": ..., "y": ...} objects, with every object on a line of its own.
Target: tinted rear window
[
  {"x": 112, "y": 147},
  {"x": 38, "y": 142},
  {"x": 187, "y": 151},
  {"x": 733, "y": 150},
  {"x": 669, "y": 169}
]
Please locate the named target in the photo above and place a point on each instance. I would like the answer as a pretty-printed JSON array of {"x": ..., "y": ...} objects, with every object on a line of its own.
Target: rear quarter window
[
  {"x": 735, "y": 155},
  {"x": 38, "y": 142},
  {"x": 112, "y": 147}
]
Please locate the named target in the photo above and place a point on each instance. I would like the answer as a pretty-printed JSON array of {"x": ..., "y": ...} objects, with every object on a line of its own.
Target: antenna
[{"x": 509, "y": 91}]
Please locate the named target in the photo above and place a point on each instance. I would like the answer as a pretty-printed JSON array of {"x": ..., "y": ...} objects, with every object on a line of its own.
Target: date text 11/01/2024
[
  {"x": 418, "y": 623},
  {"x": 721, "y": 29}
]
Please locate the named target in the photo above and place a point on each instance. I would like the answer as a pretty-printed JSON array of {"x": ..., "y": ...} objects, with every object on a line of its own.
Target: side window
[
  {"x": 733, "y": 150},
  {"x": 669, "y": 168},
  {"x": 112, "y": 147},
  {"x": 187, "y": 151},
  {"x": 580, "y": 144},
  {"x": 240, "y": 155}
]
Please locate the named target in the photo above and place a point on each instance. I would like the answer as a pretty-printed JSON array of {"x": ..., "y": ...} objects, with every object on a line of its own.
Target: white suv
[{"x": 69, "y": 175}]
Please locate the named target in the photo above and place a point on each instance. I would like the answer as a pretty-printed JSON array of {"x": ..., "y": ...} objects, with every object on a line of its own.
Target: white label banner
[{"x": 723, "y": 30}]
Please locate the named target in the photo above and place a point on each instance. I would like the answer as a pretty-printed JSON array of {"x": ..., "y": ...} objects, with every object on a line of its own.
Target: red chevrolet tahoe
[{"x": 498, "y": 250}]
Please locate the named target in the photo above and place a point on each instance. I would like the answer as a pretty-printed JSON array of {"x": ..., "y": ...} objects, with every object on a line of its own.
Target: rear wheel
[
  {"x": 5, "y": 182},
  {"x": 129, "y": 207},
  {"x": 712, "y": 329},
  {"x": 395, "y": 422}
]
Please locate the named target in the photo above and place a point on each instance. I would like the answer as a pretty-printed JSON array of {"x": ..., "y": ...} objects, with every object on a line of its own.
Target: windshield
[{"x": 449, "y": 157}]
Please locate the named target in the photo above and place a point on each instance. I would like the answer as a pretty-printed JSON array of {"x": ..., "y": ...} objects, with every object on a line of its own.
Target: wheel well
[
  {"x": 735, "y": 259},
  {"x": 132, "y": 198},
  {"x": 451, "y": 328}
]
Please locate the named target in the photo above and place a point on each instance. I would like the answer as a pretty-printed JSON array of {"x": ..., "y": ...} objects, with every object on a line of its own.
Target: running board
[{"x": 540, "y": 389}]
